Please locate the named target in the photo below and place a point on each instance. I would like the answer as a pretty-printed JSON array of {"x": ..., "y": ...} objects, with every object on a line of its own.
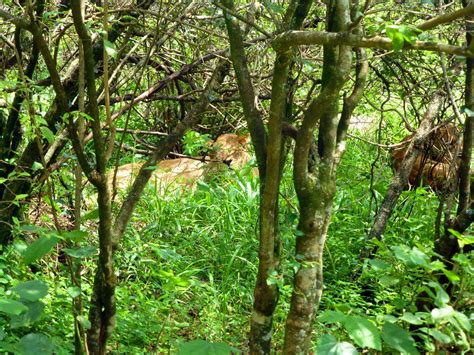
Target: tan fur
[
  {"x": 232, "y": 149},
  {"x": 229, "y": 150},
  {"x": 433, "y": 166}
]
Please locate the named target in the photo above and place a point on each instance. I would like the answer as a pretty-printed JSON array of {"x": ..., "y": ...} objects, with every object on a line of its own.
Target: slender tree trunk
[
  {"x": 447, "y": 245},
  {"x": 315, "y": 185},
  {"x": 400, "y": 180},
  {"x": 270, "y": 158}
]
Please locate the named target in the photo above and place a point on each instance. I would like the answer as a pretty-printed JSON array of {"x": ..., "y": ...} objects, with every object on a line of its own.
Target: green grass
[{"x": 187, "y": 264}]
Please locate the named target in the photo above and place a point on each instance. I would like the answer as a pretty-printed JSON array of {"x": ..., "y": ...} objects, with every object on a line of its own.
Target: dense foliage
[{"x": 90, "y": 87}]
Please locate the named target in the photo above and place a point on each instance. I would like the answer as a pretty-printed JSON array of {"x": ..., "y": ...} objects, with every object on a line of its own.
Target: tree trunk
[
  {"x": 315, "y": 185},
  {"x": 270, "y": 158},
  {"x": 400, "y": 180}
]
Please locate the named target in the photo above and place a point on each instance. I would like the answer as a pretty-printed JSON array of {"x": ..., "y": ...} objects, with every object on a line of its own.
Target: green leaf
[
  {"x": 2, "y": 334},
  {"x": 398, "y": 339},
  {"x": 437, "y": 335},
  {"x": 411, "y": 318},
  {"x": 441, "y": 298},
  {"x": 452, "y": 276},
  {"x": 32, "y": 229},
  {"x": 299, "y": 233},
  {"x": 397, "y": 38},
  {"x": 84, "y": 322},
  {"x": 85, "y": 252},
  {"x": 409, "y": 33},
  {"x": 203, "y": 347},
  {"x": 363, "y": 332},
  {"x": 389, "y": 281},
  {"x": 12, "y": 307},
  {"x": 73, "y": 291},
  {"x": 91, "y": 215},
  {"x": 31, "y": 290},
  {"x": 39, "y": 248},
  {"x": 329, "y": 317},
  {"x": 379, "y": 265},
  {"x": 36, "y": 166},
  {"x": 48, "y": 134},
  {"x": 110, "y": 48},
  {"x": 463, "y": 321},
  {"x": 75, "y": 235},
  {"x": 36, "y": 343},
  {"x": 329, "y": 345},
  {"x": 411, "y": 257},
  {"x": 32, "y": 315}
]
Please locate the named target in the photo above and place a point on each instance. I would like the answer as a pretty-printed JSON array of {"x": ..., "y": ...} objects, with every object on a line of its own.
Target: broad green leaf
[
  {"x": 363, "y": 332},
  {"x": 452, "y": 276},
  {"x": 91, "y": 215},
  {"x": 329, "y": 345},
  {"x": 73, "y": 291},
  {"x": 379, "y": 265},
  {"x": 39, "y": 248},
  {"x": 36, "y": 343},
  {"x": 398, "y": 339},
  {"x": 332, "y": 317},
  {"x": 48, "y": 134},
  {"x": 441, "y": 298},
  {"x": 32, "y": 315},
  {"x": 203, "y": 347},
  {"x": 85, "y": 252},
  {"x": 397, "y": 38},
  {"x": 463, "y": 321},
  {"x": 32, "y": 229},
  {"x": 12, "y": 307},
  {"x": 31, "y": 290},
  {"x": 110, "y": 48},
  {"x": 409, "y": 33},
  {"x": 75, "y": 235},
  {"x": 389, "y": 280},
  {"x": 411, "y": 257},
  {"x": 439, "y": 336},
  {"x": 2, "y": 334},
  {"x": 84, "y": 322},
  {"x": 36, "y": 166},
  {"x": 411, "y": 318}
]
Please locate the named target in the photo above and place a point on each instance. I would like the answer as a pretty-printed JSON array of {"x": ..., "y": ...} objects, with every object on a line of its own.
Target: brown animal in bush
[
  {"x": 437, "y": 165},
  {"x": 228, "y": 151}
]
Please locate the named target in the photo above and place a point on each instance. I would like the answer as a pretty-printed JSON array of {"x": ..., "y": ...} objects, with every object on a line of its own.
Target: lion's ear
[{"x": 244, "y": 139}]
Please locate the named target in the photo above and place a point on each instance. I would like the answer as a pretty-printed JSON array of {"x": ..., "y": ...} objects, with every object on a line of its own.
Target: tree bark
[
  {"x": 400, "y": 180},
  {"x": 447, "y": 245},
  {"x": 270, "y": 158},
  {"x": 315, "y": 185}
]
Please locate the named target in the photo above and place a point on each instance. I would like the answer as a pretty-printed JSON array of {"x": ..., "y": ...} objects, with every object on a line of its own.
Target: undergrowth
[{"x": 187, "y": 264}]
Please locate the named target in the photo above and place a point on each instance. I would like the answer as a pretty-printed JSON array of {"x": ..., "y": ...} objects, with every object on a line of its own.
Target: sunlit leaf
[
  {"x": 332, "y": 317},
  {"x": 31, "y": 290},
  {"x": 32, "y": 315},
  {"x": 35, "y": 343},
  {"x": 110, "y": 48},
  {"x": 398, "y": 339},
  {"x": 84, "y": 252},
  {"x": 203, "y": 347},
  {"x": 48, "y": 134},
  {"x": 364, "y": 333},
  {"x": 329, "y": 345},
  {"x": 12, "y": 307},
  {"x": 39, "y": 248}
]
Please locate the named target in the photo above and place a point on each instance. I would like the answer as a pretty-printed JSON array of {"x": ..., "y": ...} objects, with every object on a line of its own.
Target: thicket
[{"x": 326, "y": 92}]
